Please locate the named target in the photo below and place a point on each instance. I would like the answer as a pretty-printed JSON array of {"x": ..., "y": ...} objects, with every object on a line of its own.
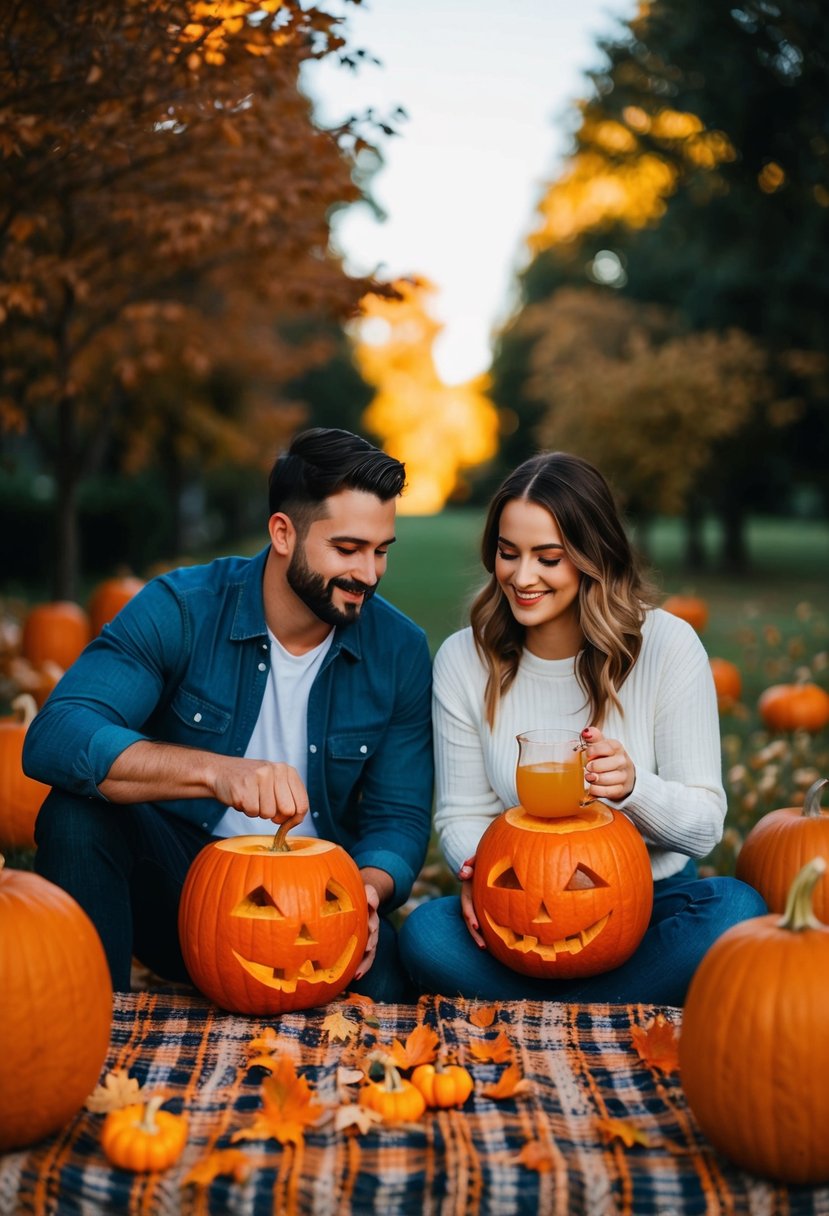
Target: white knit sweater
[{"x": 670, "y": 730}]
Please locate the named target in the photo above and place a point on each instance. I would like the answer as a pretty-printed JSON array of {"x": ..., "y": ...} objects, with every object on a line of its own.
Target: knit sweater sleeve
[
  {"x": 465, "y": 802},
  {"x": 678, "y": 802}
]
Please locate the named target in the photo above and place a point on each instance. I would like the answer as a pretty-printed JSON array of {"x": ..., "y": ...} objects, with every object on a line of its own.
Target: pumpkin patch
[
  {"x": 561, "y": 898},
  {"x": 265, "y": 930}
]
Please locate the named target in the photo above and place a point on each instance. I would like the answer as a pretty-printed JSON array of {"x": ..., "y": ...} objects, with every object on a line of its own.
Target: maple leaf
[
  {"x": 509, "y": 1085},
  {"x": 421, "y": 1047},
  {"x": 287, "y": 1106},
  {"x": 357, "y": 998},
  {"x": 118, "y": 1090},
  {"x": 536, "y": 1155},
  {"x": 484, "y": 1016},
  {"x": 495, "y": 1050},
  {"x": 657, "y": 1043},
  {"x": 267, "y": 1041},
  {"x": 349, "y": 1076},
  {"x": 230, "y": 1161},
  {"x": 621, "y": 1129},
  {"x": 339, "y": 1028},
  {"x": 350, "y": 1115}
]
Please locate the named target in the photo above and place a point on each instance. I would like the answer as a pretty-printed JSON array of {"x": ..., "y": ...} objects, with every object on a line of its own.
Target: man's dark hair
[{"x": 321, "y": 462}]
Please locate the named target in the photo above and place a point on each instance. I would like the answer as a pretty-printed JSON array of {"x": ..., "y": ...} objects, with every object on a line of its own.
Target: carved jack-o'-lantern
[
  {"x": 560, "y": 898},
  {"x": 265, "y": 930}
]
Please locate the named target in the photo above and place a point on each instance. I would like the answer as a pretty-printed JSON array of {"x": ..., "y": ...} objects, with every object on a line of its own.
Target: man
[{"x": 230, "y": 697}]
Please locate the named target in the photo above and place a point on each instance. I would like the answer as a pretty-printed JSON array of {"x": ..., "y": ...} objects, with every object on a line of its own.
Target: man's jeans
[
  {"x": 689, "y": 913},
  {"x": 126, "y": 864}
]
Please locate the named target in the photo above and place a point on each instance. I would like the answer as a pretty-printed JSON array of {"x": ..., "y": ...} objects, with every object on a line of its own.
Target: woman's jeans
[
  {"x": 689, "y": 913},
  {"x": 126, "y": 864}
]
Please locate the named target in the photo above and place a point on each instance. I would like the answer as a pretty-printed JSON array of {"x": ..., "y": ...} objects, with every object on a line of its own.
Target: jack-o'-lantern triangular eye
[
  {"x": 258, "y": 903},
  {"x": 506, "y": 879},
  {"x": 337, "y": 898},
  {"x": 584, "y": 879}
]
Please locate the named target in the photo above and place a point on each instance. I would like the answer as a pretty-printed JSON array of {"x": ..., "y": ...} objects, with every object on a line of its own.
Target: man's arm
[{"x": 158, "y": 772}]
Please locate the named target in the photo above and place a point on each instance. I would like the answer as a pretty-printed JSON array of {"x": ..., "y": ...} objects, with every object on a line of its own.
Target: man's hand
[{"x": 261, "y": 789}]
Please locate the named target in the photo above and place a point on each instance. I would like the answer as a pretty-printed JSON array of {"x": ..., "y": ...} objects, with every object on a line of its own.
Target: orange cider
[{"x": 551, "y": 789}]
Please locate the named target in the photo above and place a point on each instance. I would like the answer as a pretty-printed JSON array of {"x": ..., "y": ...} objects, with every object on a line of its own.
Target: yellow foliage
[{"x": 436, "y": 429}]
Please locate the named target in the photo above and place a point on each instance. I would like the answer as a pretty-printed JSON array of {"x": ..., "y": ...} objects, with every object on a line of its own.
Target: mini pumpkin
[
  {"x": 780, "y": 844},
  {"x": 753, "y": 1050},
  {"x": 785, "y": 707},
  {"x": 55, "y": 1008},
  {"x": 109, "y": 598},
  {"x": 20, "y": 796},
  {"x": 728, "y": 682},
  {"x": 559, "y": 898},
  {"x": 443, "y": 1085},
  {"x": 394, "y": 1098},
  {"x": 269, "y": 927},
  {"x": 143, "y": 1137},
  {"x": 55, "y": 633},
  {"x": 690, "y": 608}
]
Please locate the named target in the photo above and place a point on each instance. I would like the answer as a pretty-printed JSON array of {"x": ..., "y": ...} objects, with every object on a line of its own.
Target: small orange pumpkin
[
  {"x": 728, "y": 682},
  {"x": 20, "y": 796},
  {"x": 753, "y": 1050},
  {"x": 785, "y": 707},
  {"x": 142, "y": 1138},
  {"x": 270, "y": 925},
  {"x": 395, "y": 1099},
  {"x": 443, "y": 1085},
  {"x": 109, "y": 598},
  {"x": 55, "y": 1009},
  {"x": 565, "y": 897},
  {"x": 780, "y": 844},
  {"x": 55, "y": 633},
  {"x": 689, "y": 608}
]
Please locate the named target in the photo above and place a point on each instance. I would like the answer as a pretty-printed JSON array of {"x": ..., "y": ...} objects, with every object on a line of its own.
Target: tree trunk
[
  {"x": 67, "y": 534},
  {"x": 694, "y": 544},
  {"x": 734, "y": 557}
]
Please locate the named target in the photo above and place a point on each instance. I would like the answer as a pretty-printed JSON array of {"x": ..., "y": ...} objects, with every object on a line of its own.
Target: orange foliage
[{"x": 437, "y": 429}]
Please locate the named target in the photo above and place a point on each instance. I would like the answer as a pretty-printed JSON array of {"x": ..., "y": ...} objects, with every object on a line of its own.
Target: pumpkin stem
[
  {"x": 392, "y": 1082},
  {"x": 811, "y": 803},
  {"x": 280, "y": 845},
  {"x": 799, "y": 914},
  {"x": 25, "y": 706},
  {"x": 147, "y": 1122}
]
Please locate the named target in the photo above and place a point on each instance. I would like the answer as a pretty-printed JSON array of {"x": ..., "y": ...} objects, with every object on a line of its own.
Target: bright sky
[{"x": 488, "y": 88}]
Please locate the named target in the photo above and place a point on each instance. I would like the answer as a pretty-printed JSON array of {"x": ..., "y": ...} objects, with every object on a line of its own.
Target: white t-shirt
[{"x": 281, "y": 730}]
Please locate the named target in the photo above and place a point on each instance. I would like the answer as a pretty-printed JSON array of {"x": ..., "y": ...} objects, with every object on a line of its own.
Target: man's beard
[{"x": 316, "y": 594}]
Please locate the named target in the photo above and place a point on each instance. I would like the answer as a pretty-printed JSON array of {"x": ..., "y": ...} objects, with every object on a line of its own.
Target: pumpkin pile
[
  {"x": 20, "y": 796},
  {"x": 267, "y": 927}
]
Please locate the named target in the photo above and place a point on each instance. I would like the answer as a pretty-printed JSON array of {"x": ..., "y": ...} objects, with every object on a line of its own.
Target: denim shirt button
[
  {"x": 263, "y": 666},
  {"x": 313, "y": 748},
  {"x": 197, "y": 717}
]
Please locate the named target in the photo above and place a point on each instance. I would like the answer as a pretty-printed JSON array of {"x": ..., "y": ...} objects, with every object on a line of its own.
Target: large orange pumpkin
[
  {"x": 109, "y": 598},
  {"x": 55, "y": 633},
  {"x": 558, "y": 898},
  {"x": 265, "y": 930},
  {"x": 20, "y": 796},
  {"x": 728, "y": 682},
  {"x": 794, "y": 707},
  {"x": 689, "y": 608},
  {"x": 780, "y": 844},
  {"x": 55, "y": 1008},
  {"x": 753, "y": 1048}
]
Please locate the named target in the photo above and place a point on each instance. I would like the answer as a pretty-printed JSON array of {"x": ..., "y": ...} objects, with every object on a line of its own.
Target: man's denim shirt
[{"x": 186, "y": 661}]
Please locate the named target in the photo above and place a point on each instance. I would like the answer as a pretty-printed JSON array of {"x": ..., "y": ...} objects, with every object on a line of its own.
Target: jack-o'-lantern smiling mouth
[
  {"x": 285, "y": 979},
  {"x": 525, "y": 943}
]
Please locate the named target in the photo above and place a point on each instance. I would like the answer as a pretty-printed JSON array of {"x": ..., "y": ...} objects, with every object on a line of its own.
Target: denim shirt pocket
[
  {"x": 347, "y": 755},
  {"x": 198, "y": 715}
]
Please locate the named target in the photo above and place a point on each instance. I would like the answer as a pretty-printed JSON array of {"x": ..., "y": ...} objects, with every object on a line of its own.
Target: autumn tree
[
  {"x": 440, "y": 430},
  {"x": 699, "y": 180},
  {"x": 164, "y": 215}
]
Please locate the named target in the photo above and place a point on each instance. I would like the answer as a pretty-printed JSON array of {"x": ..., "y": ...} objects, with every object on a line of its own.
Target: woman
[{"x": 565, "y": 633}]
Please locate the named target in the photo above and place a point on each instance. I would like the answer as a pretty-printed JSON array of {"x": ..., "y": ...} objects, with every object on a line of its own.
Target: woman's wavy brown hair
[{"x": 613, "y": 593}]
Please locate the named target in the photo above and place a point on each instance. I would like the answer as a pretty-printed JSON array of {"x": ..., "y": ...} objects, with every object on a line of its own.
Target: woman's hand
[
  {"x": 467, "y": 906},
  {"x": 608, "y": 770},
  {"x": 373, "y": 901}
]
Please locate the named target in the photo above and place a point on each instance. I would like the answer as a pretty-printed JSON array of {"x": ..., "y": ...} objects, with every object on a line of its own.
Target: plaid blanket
[{"x": 583, "y": 1072}]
